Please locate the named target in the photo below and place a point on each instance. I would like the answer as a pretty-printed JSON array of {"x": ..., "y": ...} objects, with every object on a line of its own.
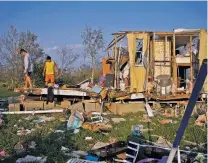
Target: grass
[
  {"x": 4, "y": 93},
  {"x": 49, "y": 143}
]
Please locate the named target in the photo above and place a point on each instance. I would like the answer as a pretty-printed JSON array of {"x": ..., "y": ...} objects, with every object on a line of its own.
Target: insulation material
[
  {"x": 137, "y": 73},
  {"x": 162, "y": 55},
  {"x": 162, "y": 69},
  {"x": 203, "y": 52}
]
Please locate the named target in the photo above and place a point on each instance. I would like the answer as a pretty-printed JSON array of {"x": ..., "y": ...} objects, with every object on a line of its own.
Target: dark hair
[
  {"x": 48, "y": 57},
  {"x": 22, "y": 50}
]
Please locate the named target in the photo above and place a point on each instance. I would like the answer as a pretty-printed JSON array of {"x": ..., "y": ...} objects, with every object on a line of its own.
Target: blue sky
[{"x": 61, "y": 23}]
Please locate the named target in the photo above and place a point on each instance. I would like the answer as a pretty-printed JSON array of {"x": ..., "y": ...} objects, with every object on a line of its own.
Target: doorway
[{"x": 183, "y": 74}]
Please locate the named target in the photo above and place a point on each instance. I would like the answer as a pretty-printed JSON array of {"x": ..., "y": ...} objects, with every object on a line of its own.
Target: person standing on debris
[
  {"x": 28, "y": 67},
  {"x": 49, "y": 70}
]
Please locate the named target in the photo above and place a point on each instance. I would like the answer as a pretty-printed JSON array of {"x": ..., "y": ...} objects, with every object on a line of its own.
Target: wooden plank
[
  {"x": 149, "y": 110},
  {"x": 34, "y": 112}
]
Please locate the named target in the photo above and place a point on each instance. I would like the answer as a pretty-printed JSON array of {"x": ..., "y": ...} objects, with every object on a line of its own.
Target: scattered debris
[
  {"x": 30, "y": 158},
  {"x": 137, "y": 129},
  {"x": 64, "y": 149},
  {"x": 76, "y": 154},
  {"x": 168, "y": 121},
  {"x": 76, "y": 131},
  {"x": 32, "y": 145},
  {"x": 59, "y": 131},
  {"x": 29, "y": 118},
  {"x": 2, "y": 153},
  {"x": 99, "y": 145},
  {"x": 97, "y": 127},
  {"x": 162, "y": 142},
  {"x": 75, "y": 120},
  {"x": 117, "y": 120},
  {"x": 88, "y": 138},
  {"x": 112, "y": 140},
  {"x": 97, "y": 89},
  {"x": 24, "y": 132},
  {"x": 121, "y": 156},
  {"x": 19, "y": 149},
  {"x": 1, "y": 121},
  {"x": 201, "y": 120},
  {"x": 146, "y": 160},
  {"x": 76, "y": 160},
  {"x": 92, "y": 158}
]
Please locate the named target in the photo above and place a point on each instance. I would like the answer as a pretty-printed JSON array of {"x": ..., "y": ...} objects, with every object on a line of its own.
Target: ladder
[{"x": 132, "y": 152}]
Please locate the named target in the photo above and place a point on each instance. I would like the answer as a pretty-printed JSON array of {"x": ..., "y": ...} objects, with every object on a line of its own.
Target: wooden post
[
  {"x": 174, "y": 62},
  {"x": 118, "y": 67},
  {"x": 115, "y": 63},
  {"x": 191, "y": 60},
  {"x": 153, "y": 56},
  {"x": 165, "y": 51}
]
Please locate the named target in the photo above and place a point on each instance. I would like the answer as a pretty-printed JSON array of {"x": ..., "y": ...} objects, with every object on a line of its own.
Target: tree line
[{"x": 11, "y": 64}]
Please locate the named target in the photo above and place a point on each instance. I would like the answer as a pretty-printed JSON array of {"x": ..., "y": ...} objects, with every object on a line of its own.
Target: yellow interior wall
[
  {"x": 203, "y": 52},
  {"x": 137, "y": 73}
]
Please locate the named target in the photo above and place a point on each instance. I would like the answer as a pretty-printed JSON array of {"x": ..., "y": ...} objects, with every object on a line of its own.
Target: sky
[{"x": 61, "y": 23}]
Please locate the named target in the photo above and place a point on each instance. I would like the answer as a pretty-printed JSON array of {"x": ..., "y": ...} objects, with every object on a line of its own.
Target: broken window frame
[{"x": 141, "y": 53}]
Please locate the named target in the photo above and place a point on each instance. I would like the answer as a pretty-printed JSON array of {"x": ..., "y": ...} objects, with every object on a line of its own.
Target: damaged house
[{"x": 158, "y": 65}]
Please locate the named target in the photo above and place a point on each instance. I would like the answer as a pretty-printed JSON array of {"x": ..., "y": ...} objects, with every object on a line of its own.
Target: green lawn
[
  {"x": 49, "y": 143},
  {"x": 4, "y": 93}
]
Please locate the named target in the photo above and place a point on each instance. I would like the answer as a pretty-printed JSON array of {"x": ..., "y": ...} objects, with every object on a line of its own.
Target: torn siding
[
  {"x": 203, "y": 52},
  {"x": 137, "y": 73}
]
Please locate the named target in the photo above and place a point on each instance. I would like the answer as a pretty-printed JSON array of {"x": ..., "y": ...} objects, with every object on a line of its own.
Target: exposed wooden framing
[
  {"x": 118, "y": 68},
  {"x": 115, "y": 40},
  {"x": 161, "y": 61},
  {"x": 153, "y": 56},
  {"x": 191, "y": 66},
  {"x": 183, "y": 64},
  {"x": 174, "y": 61},
  {"x": 165, "y": 45},
  {"x": 115, "y": 58}
]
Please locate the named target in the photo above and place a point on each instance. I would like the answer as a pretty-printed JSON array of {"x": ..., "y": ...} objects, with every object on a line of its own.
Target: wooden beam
[
  {"x": 174, "y": 62},
  {"x": 153, "y": 56},
  {"x": 34, "y": 112},
  {"x": 115, "y": 40},
  {"x": 115, "y": 65},
  {"x": 191, "y": 66}
]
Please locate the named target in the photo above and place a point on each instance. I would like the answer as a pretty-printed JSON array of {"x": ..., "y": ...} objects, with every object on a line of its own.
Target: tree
[
  {"x": 93, "y": 42},
  {"x": 66, "y": 58},
  {"x": 9, "y": 43}
]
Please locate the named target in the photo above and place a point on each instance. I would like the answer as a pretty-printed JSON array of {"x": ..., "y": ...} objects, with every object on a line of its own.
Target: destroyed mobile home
[{"x": 141, "y": 68}]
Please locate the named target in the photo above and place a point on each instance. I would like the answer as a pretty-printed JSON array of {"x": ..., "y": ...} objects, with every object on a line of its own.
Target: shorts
[
  {"x": 28, "y": 74},
  {"x": 49, "y": 77}
]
